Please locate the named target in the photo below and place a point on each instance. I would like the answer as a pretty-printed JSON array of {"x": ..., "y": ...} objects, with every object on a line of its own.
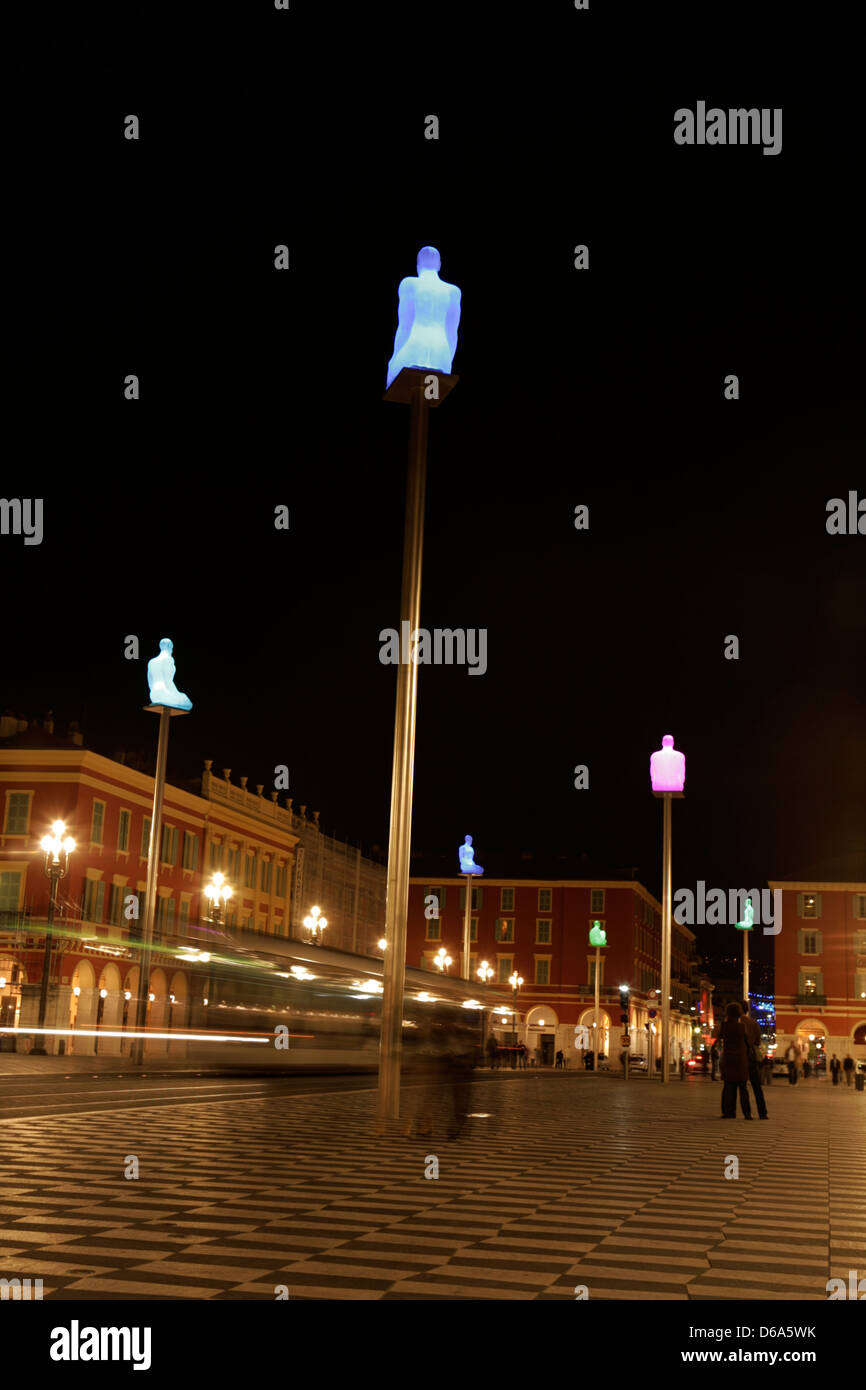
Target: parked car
[
  {"x": 637, "y": 1063},
  {"x": 780, "y": 1067}
]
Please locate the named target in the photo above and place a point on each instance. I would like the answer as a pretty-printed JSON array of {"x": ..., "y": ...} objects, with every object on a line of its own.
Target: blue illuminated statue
[
  {"x": 160, "y": 678},
  {"x": 428, "y": 313},
  {"x": 467, "y": 858}
]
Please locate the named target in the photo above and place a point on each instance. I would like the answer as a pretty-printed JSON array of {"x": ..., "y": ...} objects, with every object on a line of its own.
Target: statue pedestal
[{"x": 410, "y": 383}]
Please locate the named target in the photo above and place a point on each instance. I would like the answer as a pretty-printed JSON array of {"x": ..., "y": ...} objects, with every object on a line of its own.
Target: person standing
[
  {"x": 835, "y": 1068},
  {"x": 714, "y": 1056},
  {"x": 753, "y": 1046},
  {"x": 848, "y": 1068},
  {"x": 735, "y": 1065},
  {"x": 791, "y": 1059},
  {"x": 492, "y": 1050}
]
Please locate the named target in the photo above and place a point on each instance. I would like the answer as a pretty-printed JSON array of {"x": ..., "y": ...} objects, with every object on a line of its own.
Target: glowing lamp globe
[{"x": 668, "y": 767}]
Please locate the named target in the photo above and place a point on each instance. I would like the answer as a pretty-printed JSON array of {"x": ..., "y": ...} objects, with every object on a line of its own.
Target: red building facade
[
  {"x": 107, "y": 807},
  {"x": 820, "y": 968},
  {"x": 540, "y": 929}
]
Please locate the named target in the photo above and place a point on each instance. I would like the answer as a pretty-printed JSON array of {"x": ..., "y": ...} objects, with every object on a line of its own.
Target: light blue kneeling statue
[
  {"x": 467, "y": 858},
  {"x": 160, "y": 678},
  {"x": 428, "y": 313}
]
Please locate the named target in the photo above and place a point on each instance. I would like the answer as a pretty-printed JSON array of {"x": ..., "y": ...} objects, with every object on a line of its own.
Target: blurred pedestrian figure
[
  {"x": 735, "y": 1065},
  {"x": 714, "y": 1055},
  {"x": 559, "y": 1058},
  {"x": 492, "y": 1052},
  {"x": 848, "y": 1068},
  {"x": 807, "y": 1069},
  {"x": 425, "y": 1072},
  {"x": 753, "y": 1051},
  {"x": 458, "y": 1053},
  {"x": 705, "y": 1061},
  {"x": 521, "y": 1052},
  {"x": 588, "y": 1059},
  {"x": 538, "y": 1055},
  {"x": 835, "y": 1068},
  {"x": 767, "y": 1071},
  {"x": 791, "y": 1060}
]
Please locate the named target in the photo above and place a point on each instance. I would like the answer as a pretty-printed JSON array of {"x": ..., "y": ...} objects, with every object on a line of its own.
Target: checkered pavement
[{"x": 558, "y": 1181}]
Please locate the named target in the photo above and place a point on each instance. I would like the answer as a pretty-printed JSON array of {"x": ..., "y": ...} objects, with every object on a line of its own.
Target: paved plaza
[{"x": 560, "y": 1180}]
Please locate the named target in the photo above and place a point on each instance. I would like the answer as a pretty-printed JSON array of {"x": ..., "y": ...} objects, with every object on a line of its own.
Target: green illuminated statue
[{"x": 597, "y": 935}]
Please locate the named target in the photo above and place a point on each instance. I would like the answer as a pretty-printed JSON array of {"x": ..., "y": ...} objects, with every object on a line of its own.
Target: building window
[
  {"x": 505, "y": 967},
  {"x": 811, "y": 982},
  {"x": 17, "y": 812},
  {"x": 860, "y": 906},
  {"x": 860, "y": 985},
  {"x": 93, "y": 900},
  {"x": 542, "y": 932},
  {"x": 144, "y": 849},
  {"x": 591, "y": 973},
  {"x": 190, "y": 850},
  {"x": 439, "y": 895},
  {"x": 124, "y": 820},
  {"x": 434, "y": 929},
  {"x": 542, "y": 972},
  {"x": 505, "y": 929},
  {"x": 544, "y": 899},
  {"x": 506, "y": 900},
  {"x": 234, "y": 863},
  {"x": 169, "y": 844},
  {"x": 476, "y": 899},
  {"x": 266, "y": 876},
  {"x": 860, "y": 943},
  {"x": 473, "y": 928},
  {"x": 115, "y": 904},
  {"x": 10, "y": 893},
  {"x": 596, "y": 900},
  {"x": 811, "y": 943},
  {"x": 216, "y": 855},
  {"x": 280, "y": 886},
  {"x": 97, "y": 822},
  {"x": 810, "y": 904},
  {"x": 250, "y": 876}
]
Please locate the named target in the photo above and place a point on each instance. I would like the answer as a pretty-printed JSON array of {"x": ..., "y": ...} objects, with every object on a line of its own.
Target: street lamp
[
  {"x": 217, "y": 892},
  {"x": 315, "y": 924},
  {"x": 419, "y": 375},
  {"x": 57, "y": 847},
  {"x": 442, "y": 959},
  {"x": 485, "y": 972},
  {"x": 515, "y": 981},
  {"x": 668, "y": 777},
  {"x": 382, "y": 943}
]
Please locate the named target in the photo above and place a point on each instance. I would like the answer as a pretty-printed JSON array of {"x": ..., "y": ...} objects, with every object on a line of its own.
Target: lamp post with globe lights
[
  {"x": 315, "y": 924},
  {"x": 57, "y": 848}
]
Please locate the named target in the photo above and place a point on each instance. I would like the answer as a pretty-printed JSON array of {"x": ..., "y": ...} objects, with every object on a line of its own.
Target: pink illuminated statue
[{"x": 668, "y": 767}]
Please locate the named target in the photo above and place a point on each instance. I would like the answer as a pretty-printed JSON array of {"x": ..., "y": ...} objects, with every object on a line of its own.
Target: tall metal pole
[
  {"x": 137, "y": 1051},
  {"x": 745, "y": 967},
  {"x": 38, "y": 1049},
  {"x": 666, "y": 941},
  {"x": 595, "y": 1025},
  {"x": 402, "y": 773},
  {"x": 467, "y": 926}
]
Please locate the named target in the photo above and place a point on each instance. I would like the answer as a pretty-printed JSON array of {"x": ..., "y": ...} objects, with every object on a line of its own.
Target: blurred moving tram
[{"x": 264, "y": 1003}]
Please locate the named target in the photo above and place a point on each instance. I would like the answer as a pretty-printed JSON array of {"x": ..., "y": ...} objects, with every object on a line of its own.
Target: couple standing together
[{"x": 740, "y": 1039}]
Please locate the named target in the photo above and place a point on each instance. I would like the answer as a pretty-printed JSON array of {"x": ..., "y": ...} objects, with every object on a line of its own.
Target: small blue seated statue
[
  {"x": 160, "y": 678},
  {"x": 467, "y": 858}
]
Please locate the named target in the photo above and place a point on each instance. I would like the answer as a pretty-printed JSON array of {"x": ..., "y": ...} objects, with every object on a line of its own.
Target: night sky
[{"x": 602, "y": 387}]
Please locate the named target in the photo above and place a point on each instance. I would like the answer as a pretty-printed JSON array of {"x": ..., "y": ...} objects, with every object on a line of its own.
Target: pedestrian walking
[
  {"x": 791, "y": 1060},
  {"x": 735, "y": 1065},
  {"x": 835, "y": 1068},
  {"x": 714, "y": 1056},
  {"x": 848, "y": 1068},
  {"x": 458, "y": 1060},
  {"x": 492, "y": 1052},
  {"x": 753, "y": 1052},
  {"x": 559, "y": 1058},
  {"x": 426, "y": 1061}
]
